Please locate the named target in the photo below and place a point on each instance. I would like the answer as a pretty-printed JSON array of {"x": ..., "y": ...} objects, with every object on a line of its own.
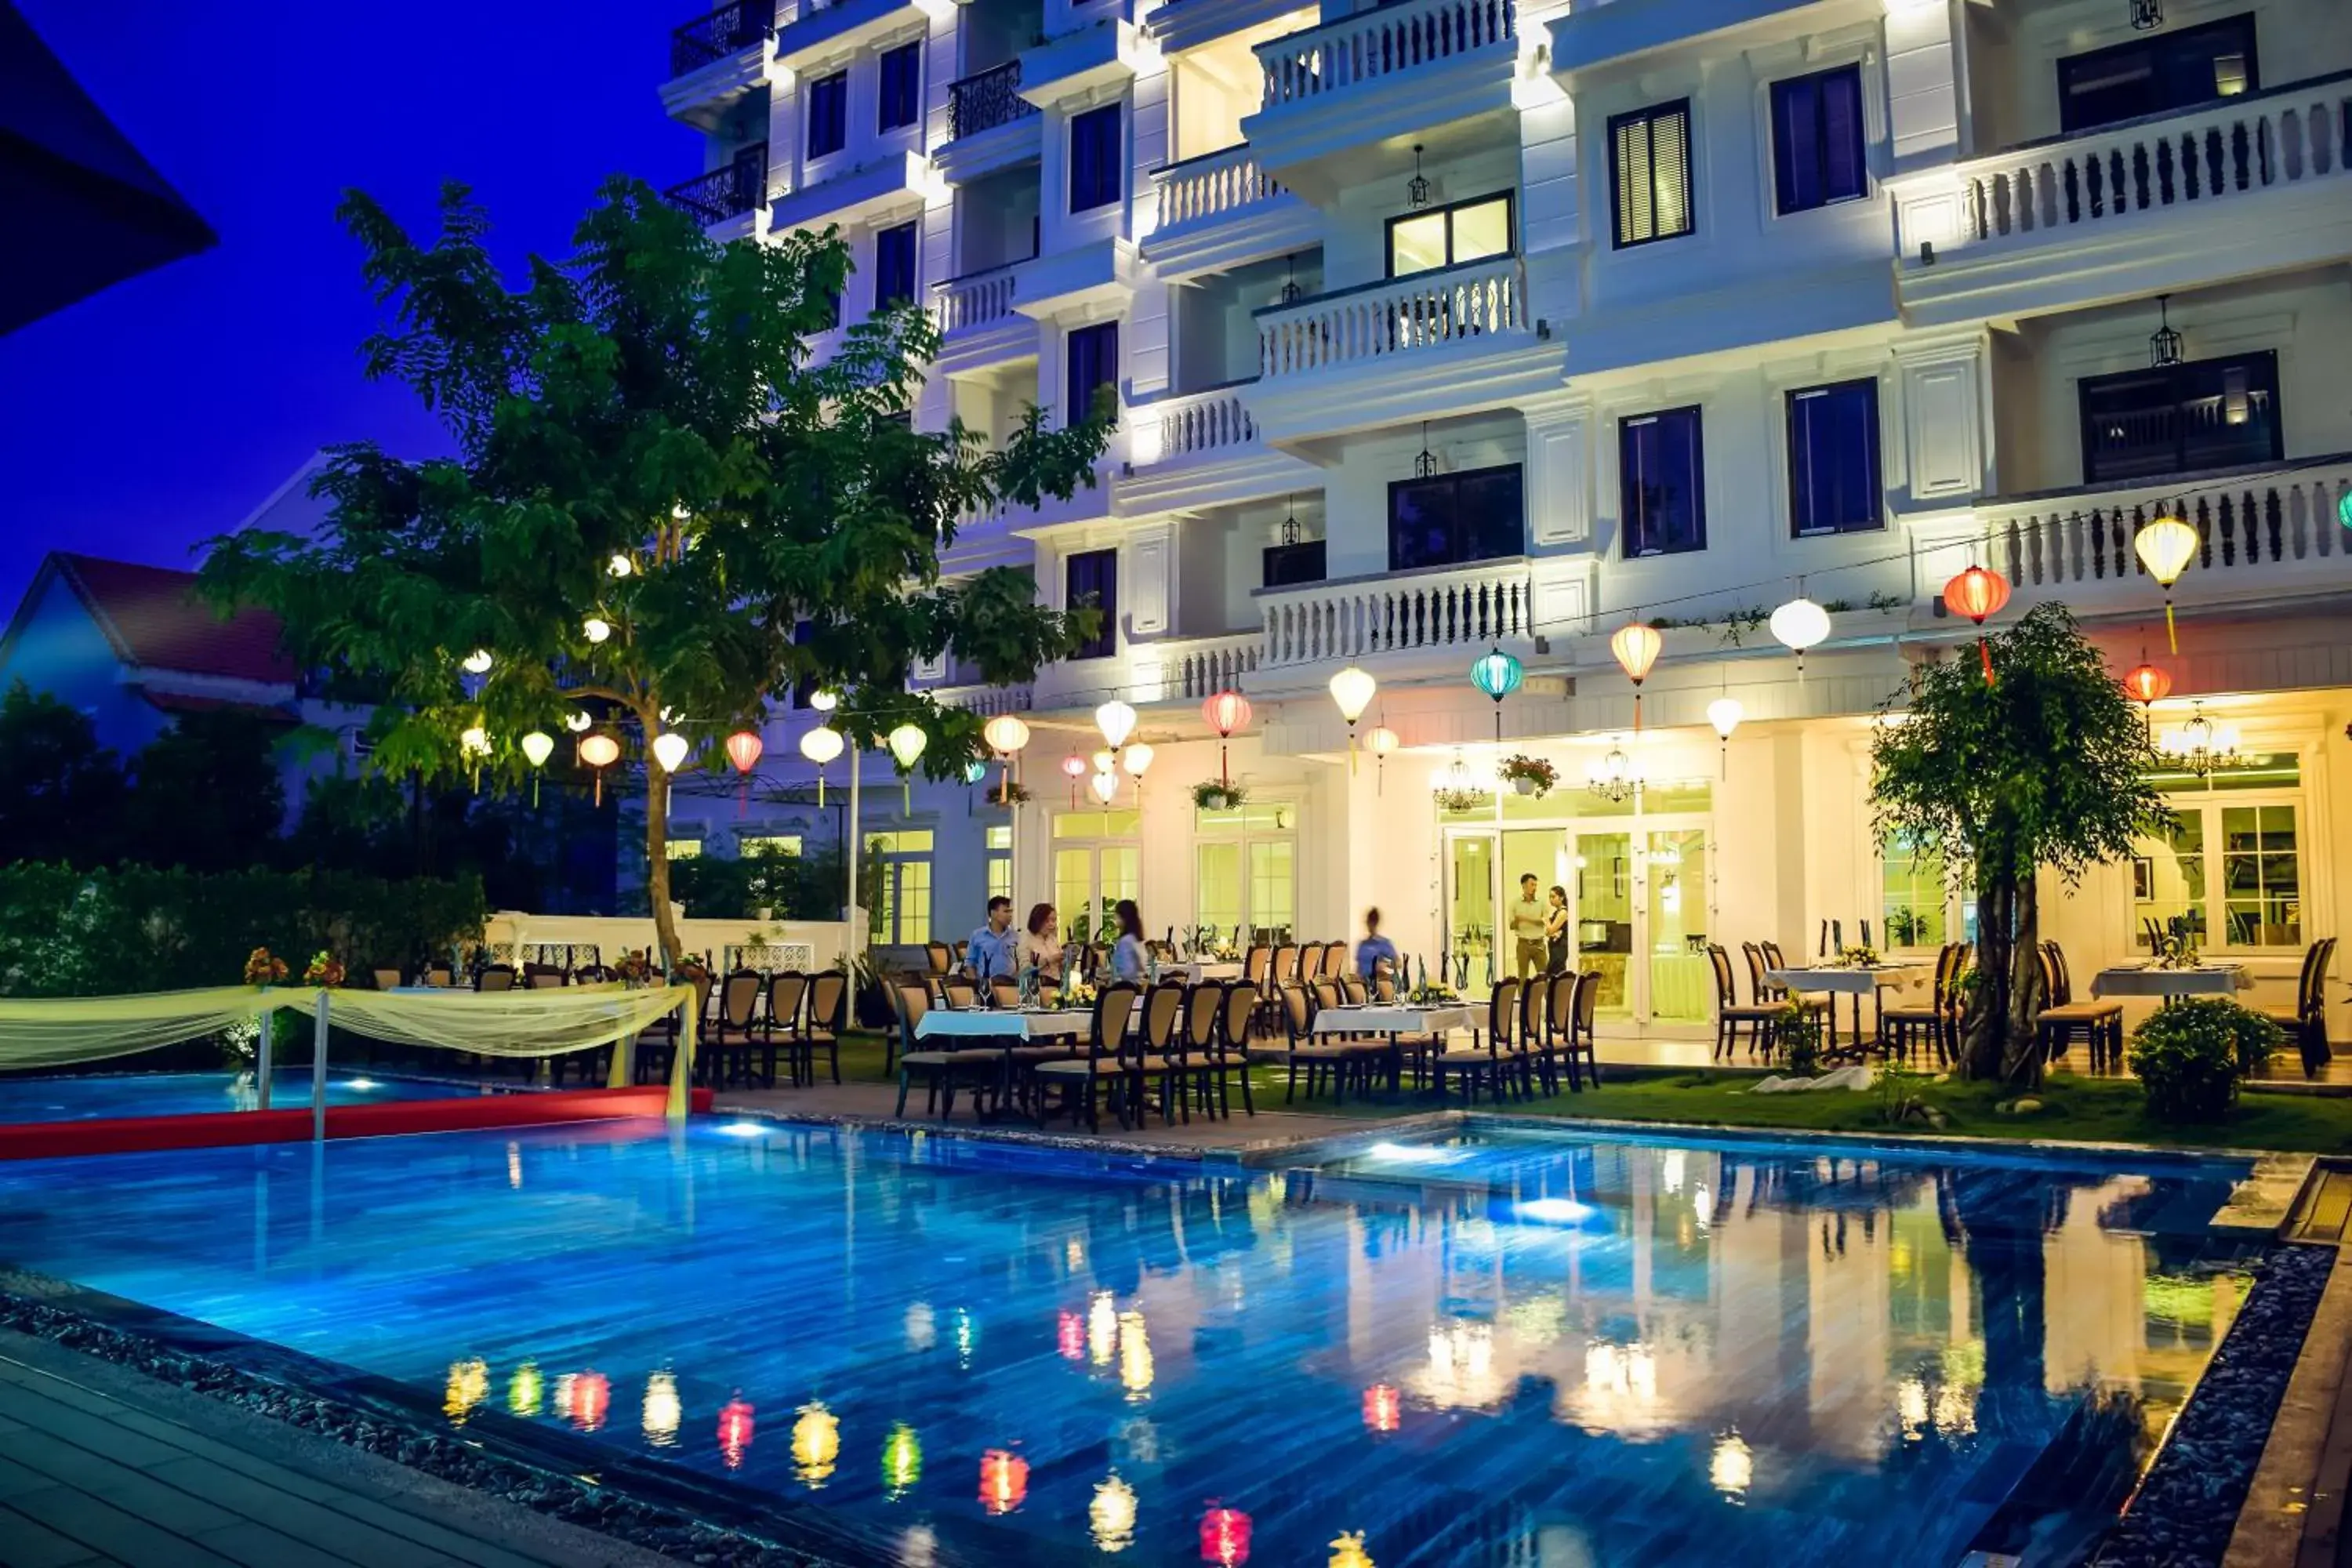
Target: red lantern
[
  {"x": 591, "y": 1396},
  {"x": 1070, "y": 1336},
  {"x": 599, "y": 751},
  {"x": 735, "y": 1428},
  {"x": 1978, "y": 594},
  {"x": 1225, "y": 712},
  {"x": 1004, "y": 1480},
  {"x": 1225, "y": 1537},
  {"x": 743, "y": 749},
  {"x": 2148, "y": 685},
  {"x": 1383, "y": 1408}
]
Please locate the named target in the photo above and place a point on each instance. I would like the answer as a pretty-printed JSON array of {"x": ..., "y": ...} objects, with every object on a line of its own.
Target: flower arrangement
[
  {"x": 325, "y": 969},
  {"x": 635, "y": 970},
  {"x": 1859, "y": 956},
  {"x": 2178, "y": 950},
  {"x": 1079, "y": 994},
  {"x": 263, "y": 969},
  {"x": 1216, "y": 794},
  {"x": 1528, "y": 776},
  {"x": 1432, "y": 993}
]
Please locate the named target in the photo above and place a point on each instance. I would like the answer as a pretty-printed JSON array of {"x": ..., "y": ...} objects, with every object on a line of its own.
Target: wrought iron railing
[
  {"x": 726, "y": 31},
  {"x": 985, "y": 102},
  {"x": 740, "y": 187}
]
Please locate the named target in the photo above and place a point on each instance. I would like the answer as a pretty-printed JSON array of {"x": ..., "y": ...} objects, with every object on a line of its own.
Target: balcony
[
  {"x": 990, "y": 127},
  {"x": 1426, "y": 622},
  {"x": 732, "y": 190},
  {"x": 1593, "y": 32},
  {"x": 1201, "y": 449},
  {"x": 891, "y": 189},
  {"x": 977, "y": 299},
  {"x": 1223, "y": 210},
  {"x": 2132, "y": 209},
  {"x": 2270, "y": 533},
  {"x": 987, "y": 701},
  {"x": 834, "y": 28},
  {"x": 1417, "y": 70},
  {"x": 1191, "y": 669},
  {"x": 717, "y": 59}
]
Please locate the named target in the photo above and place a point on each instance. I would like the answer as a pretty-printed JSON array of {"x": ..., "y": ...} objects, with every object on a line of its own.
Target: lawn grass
[{"x": 2074, "y": 1110}]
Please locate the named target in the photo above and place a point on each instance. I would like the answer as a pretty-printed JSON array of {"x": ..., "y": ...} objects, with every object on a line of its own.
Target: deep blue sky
[{"x": 160, "y": 412}]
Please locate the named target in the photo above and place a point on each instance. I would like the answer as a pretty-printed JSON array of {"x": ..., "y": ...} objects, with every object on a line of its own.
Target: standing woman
[
  {"x": 1555, "y": 933},
  {"x": 1128, "y": 955}
]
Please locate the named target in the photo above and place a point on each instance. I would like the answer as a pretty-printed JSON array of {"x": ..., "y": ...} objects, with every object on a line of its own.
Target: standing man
[
  {"x": 1527, "y": 927},
  {"x": 995, "y": 952}
]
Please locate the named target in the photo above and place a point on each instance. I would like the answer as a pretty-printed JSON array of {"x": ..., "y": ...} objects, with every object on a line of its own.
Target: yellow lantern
[
  {"x": 1635, "y": 646},
  {"x": 537, "y": 747},
  {"x": 2166, "y": 547},
  {"x": 1136, "y": 758},
  {"x": 1381, "y": 743},
  {"x": 1352, "y": 689},
  {"x": 907, "y": 743}
]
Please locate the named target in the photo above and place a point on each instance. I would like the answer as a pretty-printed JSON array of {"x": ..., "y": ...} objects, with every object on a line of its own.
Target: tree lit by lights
[
  {"x": 1004, "y": 1480},
  {"x": 525, "y": 1390},
  {"x": 816, "y": 1444},
  {"x": 662, "y": 1412},
  {"x": 469, "y": 1385},
  {"x": 1110, "y": 1517},
  {"x": 902, "y": 1461},
  {"x": 737, "y": 1422}
]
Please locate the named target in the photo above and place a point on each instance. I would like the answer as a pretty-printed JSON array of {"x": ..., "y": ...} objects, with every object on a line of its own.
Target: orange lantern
[
  {"x": 735, "y": 1428},
  {"x": 1004, "y": 1480},
  {"x": 1383, "y": 1408},
  {"x": 2147, "y": 686},
  {"x": 591, "y": 1396},
  {"x": 1635, "y": 646},
  {"x": 599, "y": 751},
  {"x": 743, "y": 749},
  {"x": 1225, "y": 1537},
  {"x": 1225, "y": 712},
  {"x": 1977, "y": 594}
]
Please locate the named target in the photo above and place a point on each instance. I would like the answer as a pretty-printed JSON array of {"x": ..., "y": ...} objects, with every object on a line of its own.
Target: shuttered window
[
  {"x": 1661, "y": 482},
  {"x": 828, "y": 114},
  {"x": 1650, "y": 174},
  {"x": 894, "y": 267},
  {"x": 1817, "y": 152},
  {"x": 1833, "y": 459}
]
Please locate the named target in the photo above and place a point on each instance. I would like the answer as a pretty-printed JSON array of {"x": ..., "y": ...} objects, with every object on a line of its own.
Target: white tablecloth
[
  {"x": 2205, "y": 980},
  {"x": 1195, "y": 973},
  {"x": 1845, "y": 979},
  {"x": 1394, "y": 1020},
  {"x": 999, "y": 1024}
]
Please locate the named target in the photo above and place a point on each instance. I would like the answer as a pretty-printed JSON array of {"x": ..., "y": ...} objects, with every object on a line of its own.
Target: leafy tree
[
  {"x": 642, "y": 438},
  {"x": 61, "y": 791},
  {"x": 2044, "y": 766},
  {"x": 205, "y": 794}
]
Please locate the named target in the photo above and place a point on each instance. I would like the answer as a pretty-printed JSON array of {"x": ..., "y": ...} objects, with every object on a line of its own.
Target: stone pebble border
[
  {"x": 570, "y": 1498},
  {"x": 2188, "y": 1504}
]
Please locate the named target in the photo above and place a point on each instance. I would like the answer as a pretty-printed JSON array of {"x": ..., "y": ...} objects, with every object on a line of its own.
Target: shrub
[
  {"x": 1798, "y": 1032},
  {"x": 2191, "y": 1056}
]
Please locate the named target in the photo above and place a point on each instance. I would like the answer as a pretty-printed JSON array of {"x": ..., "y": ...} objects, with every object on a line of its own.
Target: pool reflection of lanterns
[
  {"x": 1134, "y": 1368},
  {"x": 1383, "y": 1408},
  {"x": 592, "y": 1401},
  {"x": 902, "y": 1461},
  {"x": 1732, "y": 1467},
  {"x": 1225, "y": 1537},
  {"x": 662, "y": 1414},
  {"x": 1102, "y": 1328},
  {"x": 1004, "y": 1480},
  {"x": 1110, "y": 1516},
  {"x": 738, "y": 1419},
  {"x": 1070, "y": 1336},
  {"x": 1348, "y": 1551},
  {"x": 469, "y": 1385},
  {"x": 816, "y": 1444},
  {"x": 525, "y": 1390}
]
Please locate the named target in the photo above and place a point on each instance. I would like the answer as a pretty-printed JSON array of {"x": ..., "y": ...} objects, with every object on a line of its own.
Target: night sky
[{"x": 160, "y": 412}]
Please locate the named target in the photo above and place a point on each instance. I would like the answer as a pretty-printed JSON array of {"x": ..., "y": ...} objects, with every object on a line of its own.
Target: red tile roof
[
  {"x": 186, "y": 702},
  {"x": 153, "y": 618}
]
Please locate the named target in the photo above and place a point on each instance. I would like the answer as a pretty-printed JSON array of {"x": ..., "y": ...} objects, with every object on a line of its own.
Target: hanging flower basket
[
  {"x": 1528, "y": 776},
  {"x": 1214, "y": 795},
  {"x": 1010, "y": 794}
]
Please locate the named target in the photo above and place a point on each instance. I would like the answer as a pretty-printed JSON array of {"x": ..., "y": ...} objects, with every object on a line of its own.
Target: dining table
[
  {"x": 1396, "y": 1021},
  {"x": 1854, "y": 980},
  {"x": 2150, "y": 979},
  {"x": 1003, "y": 1029},
  {"x": 1192, "y": 971}
]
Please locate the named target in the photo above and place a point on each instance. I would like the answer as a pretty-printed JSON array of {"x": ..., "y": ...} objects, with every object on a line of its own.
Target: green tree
[
  {"x": 2044, "y": 766},
  {"x": 643, "y": 440},
  {"x": 61, "y": 791},
  {"x": 205, "y": 794}
]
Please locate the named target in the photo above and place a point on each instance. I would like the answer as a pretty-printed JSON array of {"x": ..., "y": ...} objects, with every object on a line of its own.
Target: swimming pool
[
  {"x": 92, "y": 1097},
  {"x": 1502, "y": 1348}
]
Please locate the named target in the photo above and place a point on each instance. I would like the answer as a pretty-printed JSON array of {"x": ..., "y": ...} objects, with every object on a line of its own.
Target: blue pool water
[
  {"x": 197, "y": 1093},
  {"x": 1501, "y": 1348}
]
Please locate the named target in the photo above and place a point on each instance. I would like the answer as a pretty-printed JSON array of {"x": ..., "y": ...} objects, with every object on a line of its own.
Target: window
[
  {"x": 2182, "y": 418},
  {"x": 894, "y": 267},
  {"x": 1649, "y": 174},
  {"x": 2157, "y": 75},
  {"x": 1093, "y": 364},
  {"x": 785, "y": 843},
  {"x": 1833, "y": 459},
  {"x": 1247, "y": 871},
  {"x": 1914, "y": 896},
  {"x": 902, "y": 85},
  {"x": 1095, "y": 158},
  {"x": 1287, "y": 566},
  {"x": 684, "y": 848},
  {"x": 1091, "y": 577},
  {"x": 1449, "y": 236},
  {"x": 999, "y": 865},
  {"x": 1817, "y": 156},
  {"x": 902, "y": 913},
  {"x": 2230, "y": 873},
  {"x": 1454, "y": 519},
  {"x": 828, "y": 114},
  {"x": 1661, "y": 482}
]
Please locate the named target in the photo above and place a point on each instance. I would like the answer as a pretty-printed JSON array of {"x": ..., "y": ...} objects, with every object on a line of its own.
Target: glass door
[
  {"x": 1470, "y": 909},
  {"x": 1603, "y": 897},
  {"x": 1673, "y": 927}
]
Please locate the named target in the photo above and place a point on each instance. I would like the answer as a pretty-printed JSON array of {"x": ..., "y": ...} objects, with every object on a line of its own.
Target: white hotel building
[{"x": 1442, "y": 326}]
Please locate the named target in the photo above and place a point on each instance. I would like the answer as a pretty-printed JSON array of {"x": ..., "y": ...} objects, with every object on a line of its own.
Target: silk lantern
[
  {"x": 670, "y": 750},
  {"x": 1381, "y": 743},
  {"x": 2147, "y": 685},
  {"x": 1006, "y": 735},
  {"x": 1225, "y": 712},
  {"x": 1116, "y": 720},
  {"x": 1498, "y": 674},
  {"x": 1074, "y": 768},
  {"x": 1799, "y": 625},
  {"x": 596, "y": 629},
  {"x": 907, "y": 743},
  {"x": 599, "y": 751},
  {"x": 1635, "y": 646},
  {"x": 1724, "y": 714},
  {"x": 820, "y": 745},
  {"x": 2166, "y": 547},
  {"x": 1352, "y": 690},
  {"x": 743, "y": 749},
  {"x": 537, "y": 747},
  {"x": 1977, "y": 594}
]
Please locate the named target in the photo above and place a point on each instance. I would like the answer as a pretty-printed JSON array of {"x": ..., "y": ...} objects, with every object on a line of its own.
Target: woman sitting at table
[
  {"x": 1041, "y": 946},
  {"x": 1129, "y": 954}
]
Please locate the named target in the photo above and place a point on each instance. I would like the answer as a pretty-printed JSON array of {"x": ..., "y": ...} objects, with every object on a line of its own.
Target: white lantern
[
  {"x": 823, "y": 702},
  {"x": 1103, "y": 787},
  {"x": 578, "y": 720},
  {"x": 538, "y": 746},
  {"x": 1352, "y": 689},
  {"x": 620, "y": 566},
  {"x": 1104, "y": 761},
  {"x": 596, "y": 629},
  {"x": 1799, "y": 625},
  {"x": 478, "y": 662},
  {"x": 820, "y": 745},
  {"x": 473, "y": 740},
  {"x": 1005, "y": 734},
  {"x": 1136, "y": 758},
  {"x": 670, "y": 750},
  {"x": 1116, "y": 720},
  {"x": 1724, "y": 714}
]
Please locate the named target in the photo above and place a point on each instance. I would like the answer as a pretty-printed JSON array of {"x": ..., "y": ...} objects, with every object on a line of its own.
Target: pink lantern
[{"x": 1225, "y": 712}]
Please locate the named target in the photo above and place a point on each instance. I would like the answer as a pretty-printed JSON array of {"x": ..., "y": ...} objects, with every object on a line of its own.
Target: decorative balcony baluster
[
  {"x": 1379, "y": 43},
  {"x": 987, "y": 100},
  {"x": 739, "y": 187},
  {"x": 727, "y": 31},
  {"x": 1395, "y": 317},
  {"x": 1457, "y": 607}
]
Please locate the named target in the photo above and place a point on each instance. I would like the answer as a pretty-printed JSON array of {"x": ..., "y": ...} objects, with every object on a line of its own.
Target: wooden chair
[
  {"x": 940, "y": 1068},
  {"x": 1335, "y": 961},
  {"x": 1353, "y": 991},
  {"x": 782, "y": 1021},
  {"x": 2101, "y": 1024},
  {"x": 1160, "y": 1054},
  {"x": 1580, "y": 1044},
  {"x": 1004, "y": 991},
  {"x": 1538, "y": 1042},
  {"x": 727, "y": 1051},
  {"x": 1104, "y": 1068},
  {"x": 1229, "y": 1061},
  {"x": 2305, "y": 1023},
  {"x": 954, "y": 990},
  {"x": 495, "y": 977},
  {"x": 1760, "y": 1016},
  {"x": 828, "y": 1015},
  {"x": 440, "y": 974},
  {"x": 1491, "y": 1060},
  {"x": 1939, "y": 1020},
  {"x": 938, "y": 957},
  {"x": 1282, "y": 971},
  {"x": 1562, "y": 1043},
  {"x": 386, "y": 979},
  {"x": 1327, "y": 1058},
  {"x": 1204, "y": 1004}
]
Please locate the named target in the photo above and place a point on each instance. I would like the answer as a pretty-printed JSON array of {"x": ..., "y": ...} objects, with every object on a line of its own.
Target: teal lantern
[
  {"x": 974, "y": 771},
  {"x": 1498, "y": 674},
  {"x": 2344, "y": 508}
]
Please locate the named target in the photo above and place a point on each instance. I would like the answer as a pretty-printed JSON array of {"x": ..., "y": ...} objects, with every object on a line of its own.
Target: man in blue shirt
[
  {"x": 1374, "y": 950},
  {"x": 995, "y": 952}
]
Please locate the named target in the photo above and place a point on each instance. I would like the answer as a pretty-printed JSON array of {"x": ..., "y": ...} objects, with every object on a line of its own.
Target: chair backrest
[
  {"x": 1335, "y": 959},
  {"x": 1718, "y": 959},
  {"x": 1284, "y": 968},
  {"x": 1535, "y": 1013},
  {"x": 1502, "y": 1010},
  {"x": 546, "y": 979},
  {"x": 387, "y": 979},
  {"x": 955, "y": 990},
  {"x": 1241, "y": 1005},
  {"x": 2049, "y": 975},
  {"x": 2061, "y": 978},
  {"x": 741, "y": 999},
  {"x": 1563, "y": 1002},
  {"x": 1201, "y": 1011},
  {"x": 828, "y": 999},
  {"x": 911, "y": 999},
  {"x": 1325, "y": 993},
  {"x": 1162, "y": 1008},
  {"x": 1004, "y": 991},
  {"x": 1772, "y": 959},
  {"x": 788, "y": 990},
  {"x": 1947, "y": 970},
  {"x": 938, "y": 956},
  {"x": 1759, "y": 988},
  {"x": 1297, "y": 1013},
  {"x": 1114, "y": 1007},
  {"x": 1255, "y": 963},
  {"x": 1352, "y": 989},
  {"x": 2316, "y": 1002},
  {"x": 1384, "y": 986},
  {"x": 497, "y": 977},
  {"x": 1588, "y": 1001}
]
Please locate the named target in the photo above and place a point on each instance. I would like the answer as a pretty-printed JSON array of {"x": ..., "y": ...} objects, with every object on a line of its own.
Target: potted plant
[
  {"x": 2191, "y": 1056},
  {"x": 1528, "y": 776},
  {"x": 1218, "y": 794}
]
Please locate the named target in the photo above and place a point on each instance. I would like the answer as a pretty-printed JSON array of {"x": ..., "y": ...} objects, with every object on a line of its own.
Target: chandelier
[
  {"x": 1613, "y": 776},
  {"x": 1457, "y": 789},
  {"x": 2201, "y": 747}
]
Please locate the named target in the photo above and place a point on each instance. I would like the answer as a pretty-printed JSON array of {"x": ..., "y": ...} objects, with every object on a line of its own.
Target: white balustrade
[
  {"x": 1212, "y": 186},
  {"x": 1379, "y": 43},
  {"x": 975, "y": 302},
  {"x": 1204, "y": 421},
  {"x": 1200, "y": 668},
  {"x": 1455, "y": 606},
  {"x": 1452, "y": 305},
  {"x": 2289, "y": 135},
  {"x": 987, "y": 701}
]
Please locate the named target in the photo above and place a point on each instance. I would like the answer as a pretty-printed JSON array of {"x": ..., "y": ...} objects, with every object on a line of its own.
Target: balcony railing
[
  {"x": 987, "y": 701},
  {"x": 1200, "y": 668},
  {"x": 1204, "y": 421},
  {"x": 2288, "y": 135},
  {"x": 1453, "y": 606},
  {"x": 1398, "y": 315},
  {"x": 740, "y": 187},
  {"x": 985, "y": 102},
  {"x": 1212, "y": 186},
  {"x": 1379, "y": 43},
  {"x": 977, "y": 298},
  {"x": 728, "y": 30},
  {"x": 2247, "y": 521}
]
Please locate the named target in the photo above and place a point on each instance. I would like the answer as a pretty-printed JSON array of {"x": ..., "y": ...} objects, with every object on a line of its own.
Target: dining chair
[
  {"x": 495, "y": 977},
  {"x": 1583, "y": 1044},
  {"x": 1730, "y": 1013},
  {"x": 2101, "y": 1024},
  {"x": 1157, "y": 1053},
  {"x": 1561, "y": 1040},
  {"x": 386, "y": 979},
  {"x": 955, "y": 990},
  {"x": 828, "y": 1015},
  {"x": 1488, "y": 1060},
  {"x": 1204, "y": 1004},
  {"x": 781, "y": 1020},
  {"x": 1004, "y": 991},
  {"x": 1232, "y": 1059},
  {"x": 940, "y": 1066},
  {"x": 938, "y": 957},
  {"x": 1104, "y": 1066},
  {"x": 2305, "y": 1023},
  {"x": 1905, "y": 1024},
  {"x": 726, "y": 1053},
  {"x": 1351, "y": 987}
]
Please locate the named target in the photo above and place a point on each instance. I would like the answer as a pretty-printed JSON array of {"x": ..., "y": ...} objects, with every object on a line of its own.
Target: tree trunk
[
  {"x": 1984, "y": 1023},
  {"x": 2021, "y": 1056},
  {"x": 657, "y": 862}
]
